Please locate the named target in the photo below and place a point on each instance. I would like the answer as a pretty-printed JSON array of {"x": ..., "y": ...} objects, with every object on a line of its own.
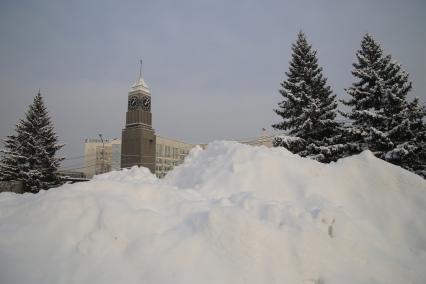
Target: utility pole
[{"x": 102, "y": 155}]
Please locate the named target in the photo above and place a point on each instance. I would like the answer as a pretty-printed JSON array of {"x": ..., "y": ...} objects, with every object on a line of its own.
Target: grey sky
[{"x": 214, "y": 67}]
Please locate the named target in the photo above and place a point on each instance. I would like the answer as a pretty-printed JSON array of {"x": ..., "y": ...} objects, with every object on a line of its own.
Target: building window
[{"x": 160, "y": 152}]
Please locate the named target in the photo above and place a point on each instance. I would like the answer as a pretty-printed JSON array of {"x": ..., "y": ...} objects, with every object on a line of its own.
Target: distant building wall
[
  {"x": 12, "y": 186},
  {"x": 261, "y": 141},
  {"x": 169, "y": 153},
  {"x": 98, "y": 156},
  {"x": 72, "y": 174},
  {"x": 104, "y": 158},
  {"x": 116, "y": 155}
]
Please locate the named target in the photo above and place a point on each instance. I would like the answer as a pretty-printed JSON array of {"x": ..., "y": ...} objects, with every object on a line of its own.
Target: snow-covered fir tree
[
  {"x": 383, "y": 121},
  {"x": 308, "y": 109},
  {"x": 417, "y": 115},
  {"x": 11, "y": 159},
  {"x": 29, "y": 154}
]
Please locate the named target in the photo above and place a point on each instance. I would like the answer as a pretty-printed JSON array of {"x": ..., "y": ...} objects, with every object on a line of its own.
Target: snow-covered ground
[{"x": 230, "y": 214}]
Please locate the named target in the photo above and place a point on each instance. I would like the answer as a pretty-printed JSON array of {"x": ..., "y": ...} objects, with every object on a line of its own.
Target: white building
[
  {"x": 101, "y": 157},
  {"x": 116, "y": 155},
  {"x": 169, "y": 153},
  {"x": 263, "y": 140},
  {"x": 104, "y": 157}
]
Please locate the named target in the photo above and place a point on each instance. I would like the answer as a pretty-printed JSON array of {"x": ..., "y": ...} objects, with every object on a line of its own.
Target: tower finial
[{"x": 140, "y": 69}]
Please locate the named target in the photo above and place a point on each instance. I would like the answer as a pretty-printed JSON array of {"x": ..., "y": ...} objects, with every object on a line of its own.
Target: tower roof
[{"x": 140, "y": 85}]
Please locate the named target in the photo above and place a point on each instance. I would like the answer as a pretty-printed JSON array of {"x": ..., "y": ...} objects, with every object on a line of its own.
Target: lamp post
[{"x": 102, "y": 154}]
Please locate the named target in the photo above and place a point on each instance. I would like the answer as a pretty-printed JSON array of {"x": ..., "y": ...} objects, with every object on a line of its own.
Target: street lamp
[{"x": 103, "y": 154}]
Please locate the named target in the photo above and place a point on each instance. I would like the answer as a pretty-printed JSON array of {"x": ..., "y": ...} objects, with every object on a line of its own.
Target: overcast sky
[{"x": 214, "y": 67}]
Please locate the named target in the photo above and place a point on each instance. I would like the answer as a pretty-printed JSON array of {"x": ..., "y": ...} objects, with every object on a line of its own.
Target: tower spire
[
  {"x": 140, "y": 69},
  {"x": 140, "y": 83}
]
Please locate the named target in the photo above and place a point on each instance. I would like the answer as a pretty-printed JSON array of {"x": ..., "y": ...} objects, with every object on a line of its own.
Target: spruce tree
[
  {"x": 408, "y": 138},
  {"x": 417, "y": 116},
  {"x": 309, "y": 108},
  {"x": 11, "y": 159},
  {"x": 29, "y": 155},
  {"x": 383, "y": 121}
]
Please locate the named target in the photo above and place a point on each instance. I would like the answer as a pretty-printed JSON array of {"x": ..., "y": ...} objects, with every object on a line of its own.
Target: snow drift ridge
[{"x": 230, "y": 214}]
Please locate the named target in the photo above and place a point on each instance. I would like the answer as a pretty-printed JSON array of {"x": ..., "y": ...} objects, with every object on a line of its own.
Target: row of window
[
  {"x": 168, "y": 161},
  {"x": 170, "y": 152},
  {"x": 163, "y": 168}
]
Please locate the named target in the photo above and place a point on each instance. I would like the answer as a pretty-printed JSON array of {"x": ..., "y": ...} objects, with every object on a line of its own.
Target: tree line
[{"x": 381, "y": 117}]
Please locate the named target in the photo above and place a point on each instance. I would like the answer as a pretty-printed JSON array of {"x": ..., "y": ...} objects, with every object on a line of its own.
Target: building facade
[
  {"x": 263, "y": 140},
  {"x": 98, "y": 156},
  {"x": 169, "y": 153},
  {"x": 116, "y": 155},
  {"x": 104, "y": 157}
]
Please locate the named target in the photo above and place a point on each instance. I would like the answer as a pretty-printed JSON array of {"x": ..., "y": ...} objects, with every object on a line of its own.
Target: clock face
[
  {"x": 146, "y": 103},
  {"x": 133, "y": 102}
]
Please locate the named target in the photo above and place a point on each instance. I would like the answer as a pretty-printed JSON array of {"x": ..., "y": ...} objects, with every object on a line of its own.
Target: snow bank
[{"x": 230, "y": 214}]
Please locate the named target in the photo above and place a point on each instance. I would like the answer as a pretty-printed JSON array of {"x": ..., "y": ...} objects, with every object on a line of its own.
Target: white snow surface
[{"x": 232, "y": 213}]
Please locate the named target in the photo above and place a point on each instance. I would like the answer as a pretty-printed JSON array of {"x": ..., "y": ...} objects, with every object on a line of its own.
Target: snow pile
[{"x": 230, "y": 214}]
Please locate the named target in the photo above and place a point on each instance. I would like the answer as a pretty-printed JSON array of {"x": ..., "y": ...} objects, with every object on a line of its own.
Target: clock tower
[{"x": 138, "y": 137}]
